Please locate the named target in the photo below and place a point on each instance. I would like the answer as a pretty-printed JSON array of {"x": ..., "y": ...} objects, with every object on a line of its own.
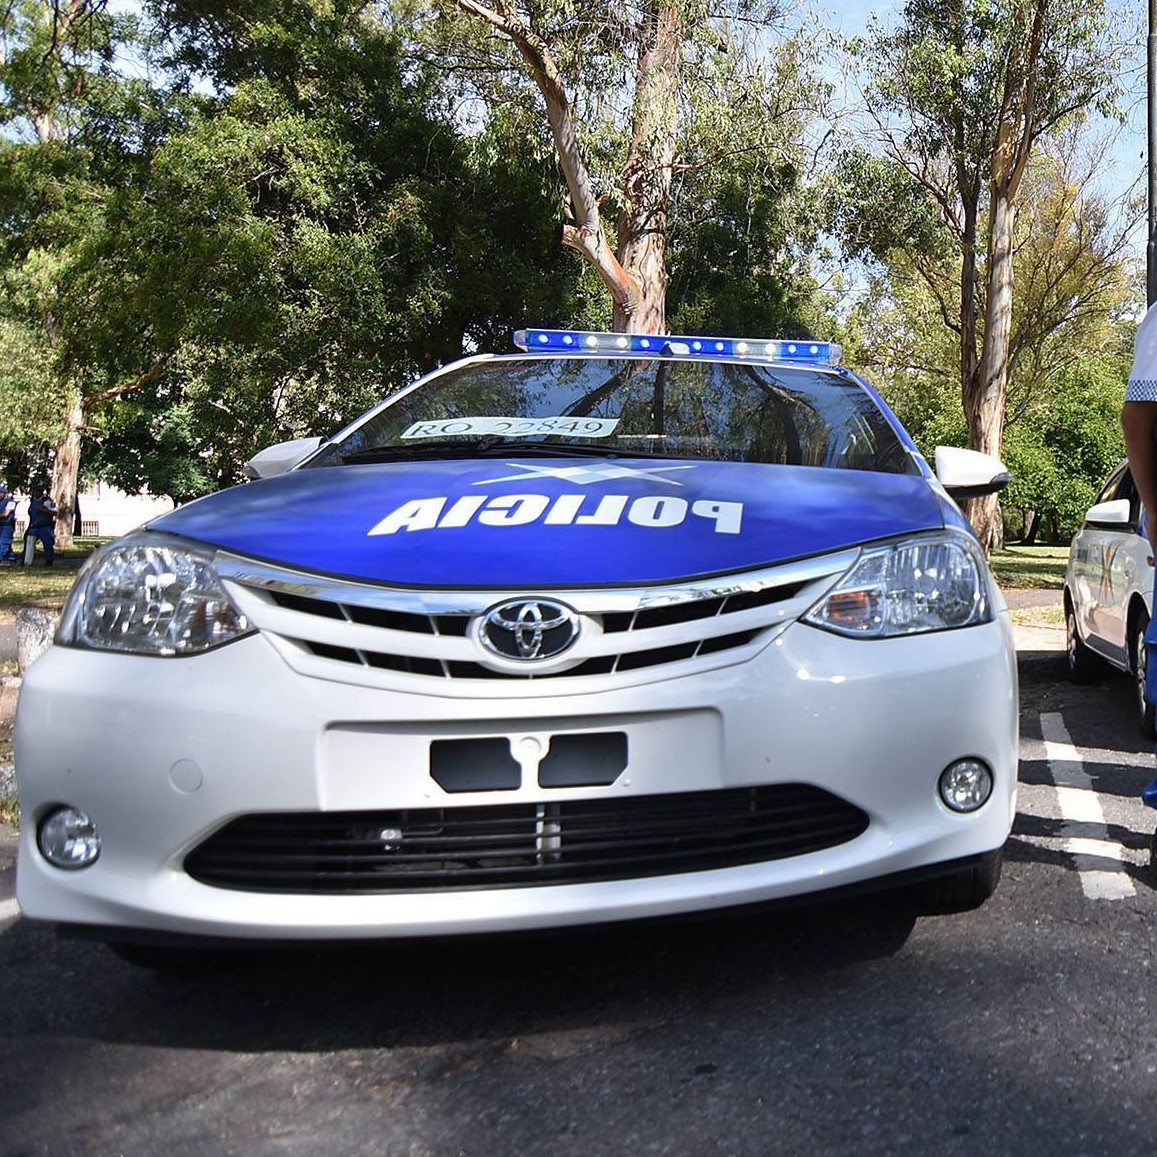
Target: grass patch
[
  {"x": 26, "y": 584},
  {"x": 1038, "y": 616},
  {"x": 1030, "y": 567},
  {"x": 9, "y": 811}
]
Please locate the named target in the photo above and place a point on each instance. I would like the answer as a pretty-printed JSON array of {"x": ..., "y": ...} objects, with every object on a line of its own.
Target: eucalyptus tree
[
  {"x": 960, "y": 93},
  {"x": 637, "y": 95},
  {"x": 746, "y": 198},
  {"x": 1075, "y": 275}
]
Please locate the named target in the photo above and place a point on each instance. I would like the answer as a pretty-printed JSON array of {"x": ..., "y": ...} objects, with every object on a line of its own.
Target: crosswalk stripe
[{"x": 1080, "y": 804}]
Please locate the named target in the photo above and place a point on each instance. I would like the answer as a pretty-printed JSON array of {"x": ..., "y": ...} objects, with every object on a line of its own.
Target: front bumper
[{"x": 163, "y": 753}]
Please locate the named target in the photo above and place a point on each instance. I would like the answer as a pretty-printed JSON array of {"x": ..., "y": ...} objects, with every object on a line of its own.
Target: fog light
[
  {"x": 67, "y": 839},
  {"x": 966, "y": 785}
]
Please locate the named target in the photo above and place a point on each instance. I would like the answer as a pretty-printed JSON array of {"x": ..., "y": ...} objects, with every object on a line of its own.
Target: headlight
[
  {"x": 933, "y": 582},
  {"x": 149, "y": 595}
]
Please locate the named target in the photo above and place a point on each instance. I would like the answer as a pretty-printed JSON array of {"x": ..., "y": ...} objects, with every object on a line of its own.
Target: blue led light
[{"x": 749, "y": 349}]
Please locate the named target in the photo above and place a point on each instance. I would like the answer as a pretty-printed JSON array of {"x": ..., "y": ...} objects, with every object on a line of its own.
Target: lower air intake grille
[{"x": 520, "y": 845}]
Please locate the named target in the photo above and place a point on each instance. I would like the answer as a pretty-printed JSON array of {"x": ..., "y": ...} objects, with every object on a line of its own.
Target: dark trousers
[{"x": 47, "y": 537}]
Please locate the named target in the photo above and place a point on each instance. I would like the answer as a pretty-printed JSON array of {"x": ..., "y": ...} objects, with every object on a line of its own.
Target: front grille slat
[
  {"x": 360, "y": 632},
  {"x": 458, "y": 669},
  {"x": 521, "y": 845}
]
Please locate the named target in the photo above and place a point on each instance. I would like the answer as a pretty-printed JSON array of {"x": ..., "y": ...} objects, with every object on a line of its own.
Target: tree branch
[{"x": 142, "y": 379}]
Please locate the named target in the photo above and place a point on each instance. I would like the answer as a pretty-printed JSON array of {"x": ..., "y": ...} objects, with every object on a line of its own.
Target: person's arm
[{"x": 1139, "y": 421}]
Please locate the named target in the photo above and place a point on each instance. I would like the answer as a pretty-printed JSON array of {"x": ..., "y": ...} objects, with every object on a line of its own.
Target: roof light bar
[{"x": 763, "y": 349}]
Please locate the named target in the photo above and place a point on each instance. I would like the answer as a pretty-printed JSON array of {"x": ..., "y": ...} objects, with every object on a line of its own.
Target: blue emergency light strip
[{"x": 769, "y": 349}]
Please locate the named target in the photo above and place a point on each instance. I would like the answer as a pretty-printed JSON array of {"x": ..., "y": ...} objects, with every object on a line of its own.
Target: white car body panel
[
  {"x": 1109, "y": 576},
  {"x": 809, "y": 707}
]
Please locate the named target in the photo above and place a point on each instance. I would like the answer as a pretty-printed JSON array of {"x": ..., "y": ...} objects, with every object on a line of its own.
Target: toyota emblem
[{"x": 529, "y": 629}]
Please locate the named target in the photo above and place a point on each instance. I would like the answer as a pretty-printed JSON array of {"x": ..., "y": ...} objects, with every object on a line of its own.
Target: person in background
[
  {"x": 7, "y": 524},
  {"x": 1139, "y": 421},
  {"x": 41, "y": 526}
]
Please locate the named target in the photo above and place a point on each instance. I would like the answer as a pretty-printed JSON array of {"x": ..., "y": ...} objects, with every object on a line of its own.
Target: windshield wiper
[
  {"x": 493, "y": 447},
  {"x": 438, "y": 448}
]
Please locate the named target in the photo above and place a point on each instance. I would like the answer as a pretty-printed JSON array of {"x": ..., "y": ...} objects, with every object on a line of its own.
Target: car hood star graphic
[{"x": 584, "y": 475}]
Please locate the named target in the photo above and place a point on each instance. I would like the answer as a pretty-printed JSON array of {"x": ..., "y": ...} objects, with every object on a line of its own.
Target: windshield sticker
[
  {"x": 514, "y": 427},
  {"x": 655, "y": 512}
]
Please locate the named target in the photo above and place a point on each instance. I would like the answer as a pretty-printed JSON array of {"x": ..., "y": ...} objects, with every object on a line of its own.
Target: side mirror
[
  {"x": 968, "y": 473},
  {"x": 1115, "y": 512},
  {"x": 277, "y": 459}
]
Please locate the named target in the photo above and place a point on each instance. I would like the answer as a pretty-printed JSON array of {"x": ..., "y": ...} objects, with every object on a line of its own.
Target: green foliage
[
  {"x": 30, "y": 406},
  {"x": 1062, "y": 457},
  {"x": 265, "y": 260},
  {"x": 743, "y": 222},
  {"x": 895, "y": 334},
  {"x": 58, "y": 59},
  {"x": 878, "y": 209},
  {"x": 945, "y": 65},
  {"x": 1068, "y": 350}
]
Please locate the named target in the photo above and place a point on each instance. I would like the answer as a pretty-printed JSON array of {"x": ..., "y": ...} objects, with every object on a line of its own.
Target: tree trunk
[
  {"x": 635, "y": 274},
  {"x": 642, "y": 247},
  {"x": 969, "y": 359},
  {"x": 66, "y": 472},
  {"x": 985, "y": 404}
]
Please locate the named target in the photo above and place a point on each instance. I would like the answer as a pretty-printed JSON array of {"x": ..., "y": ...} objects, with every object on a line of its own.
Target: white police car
[
  {"x": 615, "y": 627},
  {"x": 1109, "y": 591}
]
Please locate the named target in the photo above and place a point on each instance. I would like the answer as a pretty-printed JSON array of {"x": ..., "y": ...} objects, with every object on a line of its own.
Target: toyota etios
[{"x": 613, "y": 627}]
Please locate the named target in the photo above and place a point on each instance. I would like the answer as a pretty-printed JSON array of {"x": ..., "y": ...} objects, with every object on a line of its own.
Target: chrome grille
[{"x": 365, "y": 633}]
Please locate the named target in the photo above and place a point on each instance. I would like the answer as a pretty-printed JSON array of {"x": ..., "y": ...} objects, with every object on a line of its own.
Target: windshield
[{"x": 719, "y": 411}]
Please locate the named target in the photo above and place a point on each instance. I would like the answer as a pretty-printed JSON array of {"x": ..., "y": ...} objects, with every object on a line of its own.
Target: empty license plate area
[
  {"x": 398, "y": 765},
  {"x": 499, "y": 764}
]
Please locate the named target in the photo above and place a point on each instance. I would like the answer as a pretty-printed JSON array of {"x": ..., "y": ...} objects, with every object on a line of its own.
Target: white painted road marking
[
  {"x": 1080, "y": 804},
  {"x": 9, "y": 910}
]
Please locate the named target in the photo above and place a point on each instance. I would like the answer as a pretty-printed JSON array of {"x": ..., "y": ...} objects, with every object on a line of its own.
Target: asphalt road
[{"x": 1027, "y": 1027}]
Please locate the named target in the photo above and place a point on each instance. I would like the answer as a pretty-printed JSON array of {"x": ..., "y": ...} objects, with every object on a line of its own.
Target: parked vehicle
[
  {"x": 613, "y": 627},
  {"x": 1108, "y": 596}
]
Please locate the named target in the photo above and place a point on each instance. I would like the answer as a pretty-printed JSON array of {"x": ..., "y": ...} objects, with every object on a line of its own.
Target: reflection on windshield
[{"x": 720, "y": 411}]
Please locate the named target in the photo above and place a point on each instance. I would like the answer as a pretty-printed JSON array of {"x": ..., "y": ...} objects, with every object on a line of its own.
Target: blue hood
[{"x": 555, "y": 522}]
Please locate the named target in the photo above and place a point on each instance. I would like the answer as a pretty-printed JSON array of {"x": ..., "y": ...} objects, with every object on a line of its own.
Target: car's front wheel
[
  {"x": 1139, "y": 662},
  {"x": 961, "y": 891},
  {"x": 1084, "y": 665}
]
